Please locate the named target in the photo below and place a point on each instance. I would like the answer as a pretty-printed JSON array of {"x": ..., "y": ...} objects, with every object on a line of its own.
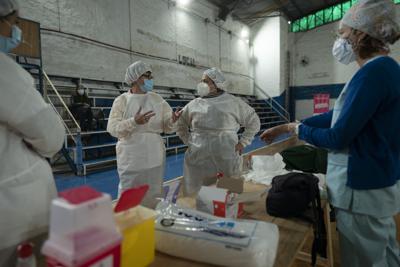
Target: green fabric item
[{"x": 305, "y": 158}]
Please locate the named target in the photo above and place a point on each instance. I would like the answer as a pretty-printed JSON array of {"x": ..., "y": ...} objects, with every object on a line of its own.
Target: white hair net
[
  {"x": 7, "y": 7},
  {"x": 217, "y": 77},
  {"x": 377, "y": 18},
  {"x": 135, "y": 70}
]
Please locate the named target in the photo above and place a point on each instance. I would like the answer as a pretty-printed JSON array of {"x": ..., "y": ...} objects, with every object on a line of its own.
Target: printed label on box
[
  {"x": 106, "y": 262},
  {"x": 218, "y": 202}
]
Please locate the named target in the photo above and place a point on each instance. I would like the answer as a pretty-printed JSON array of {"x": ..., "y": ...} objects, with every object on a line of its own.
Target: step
[
  {"x": 62, "y": 96},
  {"x": 108, "y": 89},
  {"x": 101, "y": 107},
  {"x": 177, "y": 100},
  {"x": 102, "y": 97},
  {"x": 88, "y": 133},
  {"x": 97, "y": 146},
  {"x": 266, "y": 112},
  {"x": 175, "y": 147},
  {"x": 264, "y": 107},
  {"x": 108, "y": 145},
  {"x": 169, "y": 136},
  {"x": 70, "y": 120},
  {"x": 270, "y": 117},
  {"x": 99, "y": 161}
]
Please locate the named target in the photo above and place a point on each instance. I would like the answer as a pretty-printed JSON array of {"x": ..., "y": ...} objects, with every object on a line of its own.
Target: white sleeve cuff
[{"x": 296, "y": 129}]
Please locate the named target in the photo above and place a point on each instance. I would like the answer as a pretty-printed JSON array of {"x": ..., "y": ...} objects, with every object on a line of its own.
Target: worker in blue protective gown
[{"x": 362, "y": 135}]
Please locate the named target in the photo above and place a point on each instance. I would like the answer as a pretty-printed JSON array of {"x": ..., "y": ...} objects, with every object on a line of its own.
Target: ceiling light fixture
[{"x": 244, "y": 33}]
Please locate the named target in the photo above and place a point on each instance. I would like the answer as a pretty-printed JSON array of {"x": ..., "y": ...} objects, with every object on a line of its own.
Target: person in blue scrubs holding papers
[{"x": 362, "y": 136}]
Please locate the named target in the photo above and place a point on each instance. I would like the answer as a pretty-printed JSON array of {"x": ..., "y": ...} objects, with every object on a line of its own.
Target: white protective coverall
[
  {"x": 140, "y": 148},
  {"x": 29, "y": 131},
  {"x": 209, "y": 127}
]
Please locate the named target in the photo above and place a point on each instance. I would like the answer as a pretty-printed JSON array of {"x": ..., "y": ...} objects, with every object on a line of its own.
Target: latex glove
[
  {"x": 271, "y": 134},
  {"x": 176, "y": 114},
  {"x": 143, "y": 118},
  {"x": 239, "y": 148}
]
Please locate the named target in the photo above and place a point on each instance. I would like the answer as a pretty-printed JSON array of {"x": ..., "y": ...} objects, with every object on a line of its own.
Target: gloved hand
[
  {"x": 239, "y": 148},
  {"x": 176, "y": 114},
  {"x": 143, "y": 118},
  {"x": 271, "y": 134}
]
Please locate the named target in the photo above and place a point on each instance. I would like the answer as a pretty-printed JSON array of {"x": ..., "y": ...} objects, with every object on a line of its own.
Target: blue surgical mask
[
  {"x": 9, "y": 43},
  {"x": 147, "y": 86}
]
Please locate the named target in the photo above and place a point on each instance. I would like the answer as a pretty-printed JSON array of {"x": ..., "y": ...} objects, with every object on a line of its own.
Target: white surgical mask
[
  {"x": 343, "y": 51},
  {"x": 203, "y": 89},
  {"x": 81, "y": 91}
]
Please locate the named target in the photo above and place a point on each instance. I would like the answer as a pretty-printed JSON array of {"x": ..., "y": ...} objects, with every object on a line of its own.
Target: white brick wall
[
  {"x": 150, "y": 27},
  {"x": 269, "y": 42},
  {"x": 323, "y": 68}
]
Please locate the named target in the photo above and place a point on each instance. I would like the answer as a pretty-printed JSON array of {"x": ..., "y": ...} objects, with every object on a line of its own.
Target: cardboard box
[
  {"x": 233, "y": 185},
  {"x": 218, "y": 202},
  {"x": 226, "y": 199}
]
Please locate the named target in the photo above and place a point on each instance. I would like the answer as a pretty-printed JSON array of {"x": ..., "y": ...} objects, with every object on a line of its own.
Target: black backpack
[{"x": 290, "y": 196}]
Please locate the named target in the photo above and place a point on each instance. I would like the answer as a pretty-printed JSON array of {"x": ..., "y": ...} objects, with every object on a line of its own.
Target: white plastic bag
[
  {"x": 205, "y": 238},
  {"x": 264, "y": 168}
]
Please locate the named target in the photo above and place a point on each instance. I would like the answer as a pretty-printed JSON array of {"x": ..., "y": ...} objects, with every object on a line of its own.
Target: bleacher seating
[{"x": 98, "y": 147}]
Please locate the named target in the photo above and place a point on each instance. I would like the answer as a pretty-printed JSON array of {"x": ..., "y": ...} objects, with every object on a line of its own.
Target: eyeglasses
[
  {"x": 207, "y": 81},
  {"x": 148, "y": 76}
]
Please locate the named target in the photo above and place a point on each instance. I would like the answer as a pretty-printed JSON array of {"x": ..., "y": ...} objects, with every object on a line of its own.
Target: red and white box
[
  {"x": 219, "y": 202},
  {"x": 321, "y": 103},
  {"x": 83, "y": 232}
]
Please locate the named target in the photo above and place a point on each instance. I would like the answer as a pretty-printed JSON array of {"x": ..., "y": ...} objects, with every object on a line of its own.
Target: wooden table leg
[{"x": 329, "y": 234}]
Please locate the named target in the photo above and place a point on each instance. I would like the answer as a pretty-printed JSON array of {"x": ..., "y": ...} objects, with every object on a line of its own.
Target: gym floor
[{"x": 107, "y": 181}]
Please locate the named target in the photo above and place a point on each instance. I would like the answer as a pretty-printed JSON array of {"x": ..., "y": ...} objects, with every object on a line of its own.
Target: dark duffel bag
[
  {"x": 291, "y": 195},
  {"x": 306, "y": 158}
]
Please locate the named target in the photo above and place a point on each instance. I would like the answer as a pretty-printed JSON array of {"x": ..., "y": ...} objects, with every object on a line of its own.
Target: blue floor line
[{"x": 107, "y": 181}]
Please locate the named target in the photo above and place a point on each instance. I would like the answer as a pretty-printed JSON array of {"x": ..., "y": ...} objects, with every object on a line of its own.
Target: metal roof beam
[
  {"x": 293, "y": 2},
  {"x": 283, "y": 9}
]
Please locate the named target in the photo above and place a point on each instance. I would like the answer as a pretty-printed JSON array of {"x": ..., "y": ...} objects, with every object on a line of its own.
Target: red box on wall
[{"x": 321, "y": 103}]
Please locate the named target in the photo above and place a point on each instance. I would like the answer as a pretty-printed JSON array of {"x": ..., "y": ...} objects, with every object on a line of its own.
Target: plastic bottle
[{"x": 26, "y": 258}]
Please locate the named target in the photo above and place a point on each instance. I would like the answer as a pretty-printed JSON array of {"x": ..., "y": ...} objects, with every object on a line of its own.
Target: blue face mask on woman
[
  {"x": 147, "y": 86},
  {"x": 9, "y": 43}
]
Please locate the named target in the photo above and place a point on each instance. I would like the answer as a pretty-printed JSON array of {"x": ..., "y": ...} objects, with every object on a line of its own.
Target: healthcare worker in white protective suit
[
  {"x": 209, "y": 126},
  {"x": 362, "y": 135},
  {"x": 137, "y": 119},
  {"x": 30, "y": 131}
]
